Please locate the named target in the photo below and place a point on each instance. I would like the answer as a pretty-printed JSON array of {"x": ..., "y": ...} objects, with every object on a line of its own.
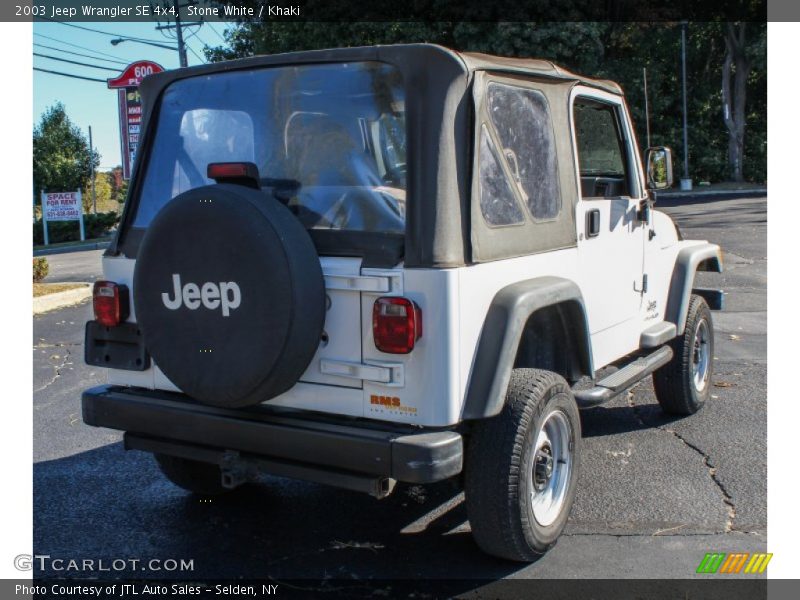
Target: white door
[{"x": 610, "y": 232}]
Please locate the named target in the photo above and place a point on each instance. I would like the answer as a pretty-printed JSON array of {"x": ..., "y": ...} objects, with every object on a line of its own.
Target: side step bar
[{"x": 619, "y": 381}]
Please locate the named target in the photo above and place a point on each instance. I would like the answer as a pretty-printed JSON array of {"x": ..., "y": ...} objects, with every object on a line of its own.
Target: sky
[{"x": 92, "y": 103}]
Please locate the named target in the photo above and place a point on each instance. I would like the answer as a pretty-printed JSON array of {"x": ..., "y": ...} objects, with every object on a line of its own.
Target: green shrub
[
  {"x": 96, "y": 226},
  {"x": 40, "y": 269}
]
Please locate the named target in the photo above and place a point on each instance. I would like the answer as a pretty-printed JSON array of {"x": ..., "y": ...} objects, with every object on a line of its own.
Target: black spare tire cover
[{"x": 229, "y": 295}]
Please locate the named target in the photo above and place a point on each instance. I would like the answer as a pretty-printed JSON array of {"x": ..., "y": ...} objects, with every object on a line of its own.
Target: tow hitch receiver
[{"x": 235, "y": 471}]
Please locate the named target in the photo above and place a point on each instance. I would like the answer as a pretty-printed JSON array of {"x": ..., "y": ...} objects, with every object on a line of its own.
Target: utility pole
[
  {"x": 179, "y": 35},
  {"x": 646, "y": 107},
  {"x": 686, "y": 182},
  {"x": 178, "y": 27},
  {"x": 91, "y": 162}
]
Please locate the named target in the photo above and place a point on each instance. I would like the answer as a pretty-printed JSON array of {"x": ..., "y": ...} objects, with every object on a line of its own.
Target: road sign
[
  {"x": 61, "y": 206},
  {"x": 130, "y": 108}
]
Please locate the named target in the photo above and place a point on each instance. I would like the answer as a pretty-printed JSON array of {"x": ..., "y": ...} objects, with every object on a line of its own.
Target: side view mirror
[{"x": 659, "y": 168}]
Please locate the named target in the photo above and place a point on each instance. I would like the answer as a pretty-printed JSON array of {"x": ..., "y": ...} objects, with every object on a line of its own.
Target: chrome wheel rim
[
  {"x": 701, "y": 355},
  {"x": 552, "y": 467}
]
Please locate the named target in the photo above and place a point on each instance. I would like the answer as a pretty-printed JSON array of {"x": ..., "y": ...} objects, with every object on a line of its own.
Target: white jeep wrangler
[{"x": 368, "y": 265}]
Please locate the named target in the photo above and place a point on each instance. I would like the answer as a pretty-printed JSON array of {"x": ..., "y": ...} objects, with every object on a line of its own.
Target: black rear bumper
[{"x": 301, "y": 445}]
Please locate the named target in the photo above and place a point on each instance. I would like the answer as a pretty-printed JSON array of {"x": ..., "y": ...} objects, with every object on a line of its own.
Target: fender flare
[
  {"x": 500, "y": 337},
  {"x": 701, "y": 257}
]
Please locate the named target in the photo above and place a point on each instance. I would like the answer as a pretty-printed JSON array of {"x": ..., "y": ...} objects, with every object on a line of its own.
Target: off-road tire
[
  {"x": 499, "y": 466},
  {"x": 197, "y": 477},
  {"x": 674, "y": 383}
]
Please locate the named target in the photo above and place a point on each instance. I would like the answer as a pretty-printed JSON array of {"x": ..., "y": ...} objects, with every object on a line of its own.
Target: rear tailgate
[
  {"x": 341, "y": 339},
  {"x": 339, "y": 354}
]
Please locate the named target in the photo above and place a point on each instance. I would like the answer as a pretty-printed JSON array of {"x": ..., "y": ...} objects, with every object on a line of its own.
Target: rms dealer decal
[{"x": 392, "y": 403}]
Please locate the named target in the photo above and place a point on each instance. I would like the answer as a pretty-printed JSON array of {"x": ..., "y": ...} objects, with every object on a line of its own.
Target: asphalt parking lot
[
  {"x": 655, "y": 494},
  {"x": 74, "y": 266}
]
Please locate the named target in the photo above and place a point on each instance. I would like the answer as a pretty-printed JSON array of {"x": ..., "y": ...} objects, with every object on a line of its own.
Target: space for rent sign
[{"x": 61, "y": 206}]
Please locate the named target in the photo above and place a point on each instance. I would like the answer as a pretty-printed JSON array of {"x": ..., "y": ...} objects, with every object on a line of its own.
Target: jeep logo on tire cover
[{"x": 226, "y": 294}]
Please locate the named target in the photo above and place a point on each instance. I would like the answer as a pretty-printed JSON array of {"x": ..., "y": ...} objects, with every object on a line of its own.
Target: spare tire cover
[{"x": 229, "y": 295}]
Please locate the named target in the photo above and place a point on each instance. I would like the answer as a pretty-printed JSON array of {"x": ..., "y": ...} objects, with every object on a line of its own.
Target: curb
[
  {"x": 712, "y": 194},
  {"x": 68, "y": 249},
  {"x": 44, "y": 304}
]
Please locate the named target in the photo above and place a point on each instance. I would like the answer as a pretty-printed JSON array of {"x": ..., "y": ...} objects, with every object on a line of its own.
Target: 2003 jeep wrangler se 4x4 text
[{"x": 400, "y": 263}]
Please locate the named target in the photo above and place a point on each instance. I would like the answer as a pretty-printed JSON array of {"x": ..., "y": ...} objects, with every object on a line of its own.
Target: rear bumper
[{"x": 309, "y": 447}]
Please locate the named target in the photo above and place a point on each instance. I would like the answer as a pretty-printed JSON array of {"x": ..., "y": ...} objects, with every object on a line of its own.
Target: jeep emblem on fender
[{"x": 212, "y": 296}]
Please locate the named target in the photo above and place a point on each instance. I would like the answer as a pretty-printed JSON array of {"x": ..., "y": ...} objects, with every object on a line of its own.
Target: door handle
[
  {"x": 593, "y": 223},
  {"x": 643, "y": 213}
]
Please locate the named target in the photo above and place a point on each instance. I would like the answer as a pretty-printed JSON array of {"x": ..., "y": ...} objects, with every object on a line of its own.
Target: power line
[
  {"x": 214, "y": 29},
  {"x": 166, "y": 30},
  {"x": 200, "y": 58},
  {"x": 166, "y": 33},
  {"x": 73, "y": 62},
  {"x": 69, "y": 75},
  {"x": 121, "y": 62},
  {"x": 199, "y": 39},
  {"x": 99, "y": 31},
  {"x": 47, "y": 37}
]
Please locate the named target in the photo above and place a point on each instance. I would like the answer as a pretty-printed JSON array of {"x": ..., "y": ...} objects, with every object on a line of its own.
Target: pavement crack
[
  {"x": 642, "y": 535},
  {"x": 58, "y": 345},
  {"x": 727, "y": 499},
  {"x": 659, "y": 533},
  {"x": 58, "y": 369}
]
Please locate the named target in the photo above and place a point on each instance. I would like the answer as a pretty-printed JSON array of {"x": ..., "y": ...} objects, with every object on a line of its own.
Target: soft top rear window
[{"x": 329, "y": 141}]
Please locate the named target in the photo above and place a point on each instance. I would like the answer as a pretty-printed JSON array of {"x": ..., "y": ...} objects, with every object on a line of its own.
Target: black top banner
[{"x": 392, "y": 10}]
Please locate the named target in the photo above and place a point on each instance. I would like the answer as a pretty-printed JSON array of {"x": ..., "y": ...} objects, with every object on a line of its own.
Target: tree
[
  {"x": 734, "y": 94},
  {"x": 62, "y": 160},
  {"x": 119, "y": 187},
  {"x": 742, "y": 69},
  {"x": 614, "y": 50},
  {"x": 103, "y": 194}
]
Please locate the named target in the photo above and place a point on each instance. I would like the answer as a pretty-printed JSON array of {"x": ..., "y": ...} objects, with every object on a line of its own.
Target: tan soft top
[
  {"x": 438, "y": 222},
  {"x": 532, "y": 66}
]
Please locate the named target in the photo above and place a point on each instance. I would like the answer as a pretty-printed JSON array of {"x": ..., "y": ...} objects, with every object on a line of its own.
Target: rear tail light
[
  {"x": 110, "y": 303},
  {"x": 396, "y": 324}
]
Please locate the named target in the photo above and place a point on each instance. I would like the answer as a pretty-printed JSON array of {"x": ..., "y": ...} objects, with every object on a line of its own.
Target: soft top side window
[
  {"x": 521, "y": 119},
  {"x": 499, "y": 206}
]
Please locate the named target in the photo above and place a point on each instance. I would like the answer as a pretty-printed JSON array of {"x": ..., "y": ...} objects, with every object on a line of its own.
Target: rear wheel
[
  {"x": 192, "y": 475},
  {"x": 521, "y": 467},
  {"x": 683, "y": 385}
]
